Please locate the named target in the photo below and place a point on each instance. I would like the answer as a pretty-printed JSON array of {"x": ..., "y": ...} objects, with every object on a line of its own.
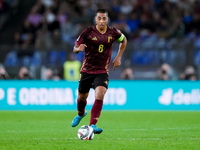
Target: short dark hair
[{"x": 102, "y": 11}]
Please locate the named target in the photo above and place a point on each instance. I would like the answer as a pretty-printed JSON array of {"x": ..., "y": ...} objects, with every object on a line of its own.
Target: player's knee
[
  {"x": 82, "y": 97},
  {"x": 100, "y": 92},
  {"x": 99, "y": 95}
]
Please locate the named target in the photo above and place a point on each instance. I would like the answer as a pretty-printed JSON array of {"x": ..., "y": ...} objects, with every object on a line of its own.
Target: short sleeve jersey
[{"x": 99, "y": 49}]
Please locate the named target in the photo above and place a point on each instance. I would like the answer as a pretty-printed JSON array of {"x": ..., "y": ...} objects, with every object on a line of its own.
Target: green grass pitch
[{"x": 123, "y": 130}]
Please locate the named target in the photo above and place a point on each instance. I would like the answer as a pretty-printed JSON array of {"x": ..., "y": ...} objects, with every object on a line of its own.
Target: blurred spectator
[
  {"x": 121, "y": 23},
  {"x": 43, "y": 40},
  {"x": 127, "y": 74},
  {"x": 61, "y": 17},
  {"x": 55, "y": 6},
  {"x": 56, "y": 39},
  {"x": 71, "y": 68},
  {"x": 28, "y": 40},
  {"x": 177, "y": 29},
  {"x": 40, "y": 6},
  {"x": 126, "y": 7},
  {"x": 34, "y": 17},
  {"x": 145, "y": 23},
  {"x": 17, "y": 40},
  {"x": 165, "y": 72},
  {"x": 24, "y": 73},
  {"x": 115, "y": 9},
  {"x": 195, "y": 24},
  {"x": 156, "y": 20},
  {"x": 27, "y": 27},
  {"x": 69, "y": 31},
  {"x": 163, "y": 29},
  {"x": 49, "y": 74},
  {"x": 133, "y": 22},
  {"x": 52, "y": 22},
  {"x": 189, "y": 74},
  {"x": 3, "y": 73},
  {"x": 47, "y": 3},
  {"x": 187, "y": 17}
]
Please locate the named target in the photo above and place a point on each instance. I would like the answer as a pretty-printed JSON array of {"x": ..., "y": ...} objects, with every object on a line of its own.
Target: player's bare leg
[
  {"x": 100, "y": 91},
  {"x": 81, "y": 103}
]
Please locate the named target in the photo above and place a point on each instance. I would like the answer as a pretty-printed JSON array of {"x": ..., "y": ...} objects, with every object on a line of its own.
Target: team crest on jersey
[
  {"x": 94, "y": 38},
  {"x": 109, "y": 39}
]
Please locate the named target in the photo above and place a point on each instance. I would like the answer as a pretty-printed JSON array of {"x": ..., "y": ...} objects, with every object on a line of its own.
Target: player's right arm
[
  {"x": 80, "y": 42},
  {"x": 79, "y": 48}
]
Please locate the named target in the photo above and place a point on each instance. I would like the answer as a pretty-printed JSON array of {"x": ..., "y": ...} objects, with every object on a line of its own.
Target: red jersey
[{"x": 99, "y": 49}]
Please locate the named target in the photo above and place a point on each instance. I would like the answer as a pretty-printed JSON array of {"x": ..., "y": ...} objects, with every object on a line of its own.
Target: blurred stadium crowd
[{"x": 160, "y": 33}]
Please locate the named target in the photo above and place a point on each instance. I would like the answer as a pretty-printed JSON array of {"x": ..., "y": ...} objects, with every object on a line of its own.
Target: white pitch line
[
  {"x": 132, "y": 129},
  {"x": 175, "y": 128},
  {"x": 152, "y": 139},
  {"x": 34, "y": 131}
]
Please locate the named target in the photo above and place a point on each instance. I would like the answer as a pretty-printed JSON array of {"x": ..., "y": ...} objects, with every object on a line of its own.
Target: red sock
[
  {"x": 81, "y": 107},
  {"x": 96, "y": 111}
]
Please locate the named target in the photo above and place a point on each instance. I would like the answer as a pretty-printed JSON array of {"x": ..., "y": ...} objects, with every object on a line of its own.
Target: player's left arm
[{"x": 122, "y": 46}]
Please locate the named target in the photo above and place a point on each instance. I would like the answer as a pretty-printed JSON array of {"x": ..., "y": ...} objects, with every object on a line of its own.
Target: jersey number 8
[{"x": 101, "y": 48}]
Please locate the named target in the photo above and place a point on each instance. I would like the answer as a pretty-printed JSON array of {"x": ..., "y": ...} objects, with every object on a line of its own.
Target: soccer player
[{"x": 97, "y": 41}]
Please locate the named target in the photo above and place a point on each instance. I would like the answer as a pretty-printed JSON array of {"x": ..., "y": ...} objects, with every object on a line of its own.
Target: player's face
[{"x": 101, "y": 20}]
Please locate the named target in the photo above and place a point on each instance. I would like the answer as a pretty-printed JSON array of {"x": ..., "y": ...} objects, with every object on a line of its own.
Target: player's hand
[
  {"x": 82, "y": 47},
  {"x": 79, "y": 48},
  {"x": 116, "y": 63}
]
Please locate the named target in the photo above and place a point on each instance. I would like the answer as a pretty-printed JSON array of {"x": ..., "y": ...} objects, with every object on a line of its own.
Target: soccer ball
[{"x": 85, "y": 132}]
